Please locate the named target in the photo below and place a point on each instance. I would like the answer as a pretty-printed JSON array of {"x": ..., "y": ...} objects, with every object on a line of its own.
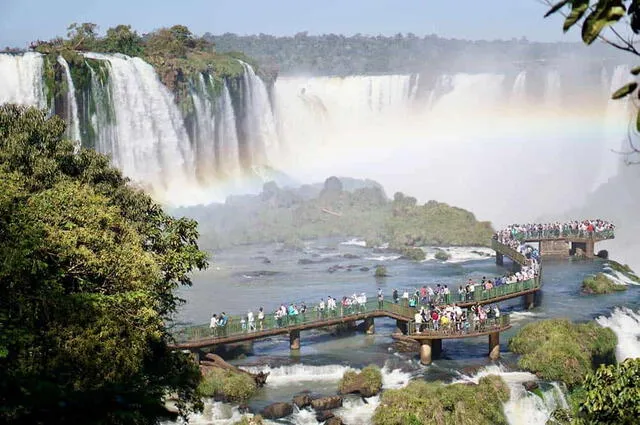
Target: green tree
[
  {"x": 612, "y": 395},
  {"x": 622, "y": 20},
  {"x": 122, "y": 39},
  {"x": 87, "y": 279},
  {"x": 82, "y": 36}
]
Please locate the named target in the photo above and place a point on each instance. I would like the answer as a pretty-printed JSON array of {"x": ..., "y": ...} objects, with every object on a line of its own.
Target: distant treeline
[
  {"x": 341, "y": 207},
  {"x": 332, "y": 54}
]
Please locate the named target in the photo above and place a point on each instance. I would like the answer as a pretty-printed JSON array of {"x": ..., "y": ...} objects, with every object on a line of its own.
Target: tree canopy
[{"x": 89, "y": 266}]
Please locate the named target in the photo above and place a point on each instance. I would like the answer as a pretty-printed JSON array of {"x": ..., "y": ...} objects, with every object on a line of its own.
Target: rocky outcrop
[
  {"x": 334, "y": 421},
  {"x": 302, "y": 400},
  {"x": 213, "y": 361},
  {"x": 327, "y": 403},
  {"x": 367, "y": 383},
  {"x": 277, "y": 410}
]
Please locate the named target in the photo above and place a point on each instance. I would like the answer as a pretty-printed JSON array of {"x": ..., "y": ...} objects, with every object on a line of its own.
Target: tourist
[
  {"x": 251, "y": 321},
  {"x": 380, "y": 299},
  {"x": 418, "y": 319},
  {"x": 321, "y": 308},
  {"x": 213, "y": 324},
  {"x": 395, "y": 296},
  {"x": 222, "y": 323},
  {"x": 261, "y": 318}
]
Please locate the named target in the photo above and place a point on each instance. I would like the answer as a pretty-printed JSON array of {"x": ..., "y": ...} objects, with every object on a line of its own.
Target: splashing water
[{"x": 626, "y": 325}]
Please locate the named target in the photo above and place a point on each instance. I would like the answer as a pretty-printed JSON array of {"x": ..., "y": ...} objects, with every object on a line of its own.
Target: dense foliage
[
  {"x": 87, "y": 278},
  {"x": 558, "y": 350},
  {"x": 293, "y": 215},
  {"x": 336, "y": 54},
  {"x": 612, "y": 394},
  {"x": 434, "y": 403}
]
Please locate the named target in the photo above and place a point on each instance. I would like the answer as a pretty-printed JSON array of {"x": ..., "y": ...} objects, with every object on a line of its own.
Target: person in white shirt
[
  {"x": 261, "y": 318},
  {"x": 251, "y": 321},
  {"x": 418, "y": 319},
  {"x": 213, "y": 324}
]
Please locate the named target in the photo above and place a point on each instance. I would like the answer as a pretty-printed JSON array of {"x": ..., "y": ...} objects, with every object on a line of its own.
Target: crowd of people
[
  {"x": 513, "y": 234},
  {"x": 436, "y": 306},
  {"x": 454, "y": 319}
]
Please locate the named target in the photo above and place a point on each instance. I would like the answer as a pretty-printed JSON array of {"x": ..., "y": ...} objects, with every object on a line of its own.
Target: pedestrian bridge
[{"x": 198, "y": 337}]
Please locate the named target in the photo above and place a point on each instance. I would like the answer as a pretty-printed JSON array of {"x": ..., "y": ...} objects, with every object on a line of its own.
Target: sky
[{"x": 22, "y": 21}]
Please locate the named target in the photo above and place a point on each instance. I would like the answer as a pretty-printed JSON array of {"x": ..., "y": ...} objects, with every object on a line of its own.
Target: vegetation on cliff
[
  {"x": 178, "y": 56},
  {"x": 367, "y": 382},
  {"x": 87, "y": 279},
  {"x": 227, "y": 385},
  {"x": 558, "y": 350},
  {"x": 601, "y": 283},
  {"x": 293, "y": 215},
  {"x": 427, "y": 403}
]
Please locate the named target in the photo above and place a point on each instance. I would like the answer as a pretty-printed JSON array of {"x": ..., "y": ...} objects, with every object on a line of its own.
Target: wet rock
[
  {"x": 334, "y": 421},
  {"x": 259, "y": 273},
  {"x": 302, "y": 400},
  {"x": 327, "y": 403},
  {"x": 603, "y": 253},
  {"x": 350, "y": 256},
  {"x": 324, "y": 415},
  {"x": 364, "y": 269},
  {"x": 277, "y": 410},
  {"x": 305, "y": 261},
  {"x": 530, "y": 385}
]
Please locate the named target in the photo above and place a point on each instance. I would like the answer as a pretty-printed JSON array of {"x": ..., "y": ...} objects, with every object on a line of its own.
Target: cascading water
[
  {"x": 626, "y": 325},
  {"x": 21, "y": 79},
  {"x": 523, "y": 407},
  {"x": 519, "y": 95},
  {"x": 73, "y": 123},
  {"x": 153, "y": 146}
]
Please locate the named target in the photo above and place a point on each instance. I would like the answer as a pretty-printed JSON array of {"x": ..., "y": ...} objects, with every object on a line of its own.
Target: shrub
[
  {"x": 436, "y": 403},
  {"x": 601, "y": 284},
  {"x": 368, "y": 382},
  {"x": 381, "y": 271},
  {"x": 227, "y": 385},
  {"x": 442, "y": 255}
]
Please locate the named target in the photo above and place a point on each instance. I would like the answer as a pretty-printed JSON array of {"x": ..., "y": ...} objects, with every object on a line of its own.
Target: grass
[
  {"x": 558, "y": 350},
  {"x": 439, "y": 404},
  {"x": 227, "y": 385},
  {"x": 624, "y": 269},
  {"x": 601, "y": 284}
]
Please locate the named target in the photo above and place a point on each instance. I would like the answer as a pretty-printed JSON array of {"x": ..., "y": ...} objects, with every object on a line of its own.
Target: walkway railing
[
  {"x": 468, "y": 327},
  {"x": 509, "y": 252},
  {"x": 235, "y": 325},
  {"x": 564, "y": 234}
]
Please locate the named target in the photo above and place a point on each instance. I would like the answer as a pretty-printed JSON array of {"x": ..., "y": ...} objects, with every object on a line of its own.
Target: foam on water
[
  {"x": 523, "y": 407},
  {"x": 355, "y": 242},
  {"x": 460, "y": 254},
  {"x": 291, "y": 374},
  {"x": 383, "y": 258},
  {"x": 355, "y": 411},
  {"x": 626, "y": 325},
  {"x": 214, "y": 413}
]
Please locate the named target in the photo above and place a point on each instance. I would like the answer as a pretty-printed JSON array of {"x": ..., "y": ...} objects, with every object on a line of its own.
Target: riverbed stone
[
  {"x": 327, "y": 403},
  {"x": 277, "y": 410}
]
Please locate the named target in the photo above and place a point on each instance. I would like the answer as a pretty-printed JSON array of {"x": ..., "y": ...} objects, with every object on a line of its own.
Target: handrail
[
  {"x": 509, "y": 252},
  {"x": 564, "y": 234},
  {"x": 270, "y": 323}
]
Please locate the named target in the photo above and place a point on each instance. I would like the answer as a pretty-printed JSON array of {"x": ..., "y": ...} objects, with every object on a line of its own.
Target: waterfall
[
  {"x": 626, "y": 325},
  {"x": 229, "y": 153},
  {"x": 101, "y": 118},
  {"x": 204, "y": 137},
  {"x": 616, "y": 124},
  {"x": 553, "y": 90},
  {"x": 73, "y": 123},
  {"x": 153, "y": 146},
  {"x": 260, "y": 126},
  {"x": 519, "y": 93},
  {"x": 523, "y": 407},
  {"x": 21, "y": 79}
]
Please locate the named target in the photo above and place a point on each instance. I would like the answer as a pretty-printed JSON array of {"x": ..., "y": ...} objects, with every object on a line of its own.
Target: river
[{"x": 236, "y": 281}]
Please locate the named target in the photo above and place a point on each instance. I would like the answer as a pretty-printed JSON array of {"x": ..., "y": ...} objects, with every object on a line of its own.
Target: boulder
[
  {"x": 327, "y": 403},
  {"x": 277, "y": 410},
  {"x": 334, "y": 421},
  {"x": 350, "y": 256},
  {"x": 367, "y": 382},
  {"x": 324, "y": 415},
  {"x": 364, "y": 269},
  {"x": 603, "y": 253},
  {"x": 302, "y": 400},
  {"x": 530, "y": 385},
  {"x": 305, "y": 261}
]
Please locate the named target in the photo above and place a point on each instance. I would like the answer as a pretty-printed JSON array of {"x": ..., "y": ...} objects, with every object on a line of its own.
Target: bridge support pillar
[
  {"x": 401, "y": 327},
  {"x": 590, "y": 247},
  {"x": 369, "y": 326},
  {"x": 528, "y": 300},
  {"x": 436, "y": 348},
  {"x": 425, "y": 352},
  {"x": 499, "y": 259},
  {"x": 294, "y": 339},
  {"x": 494, "y": 346}
]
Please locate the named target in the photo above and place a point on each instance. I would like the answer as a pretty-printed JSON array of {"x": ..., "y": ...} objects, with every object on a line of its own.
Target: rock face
[
  {"x": 302, "y": 400},
  {"x": 367, "y": 382},
  {"x": 324, "y": 415},
  {"x": 327, "y": 403},
  {"x": 334, "y": 421},
  {"x": 277, "y": 410},
  {"x": 530, "y": 385}
]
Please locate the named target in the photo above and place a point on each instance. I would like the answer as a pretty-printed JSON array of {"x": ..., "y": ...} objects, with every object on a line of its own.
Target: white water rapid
[
  {"x": 21, "y": 80},
  {"x": 523, "y": 407},
  {"x": 626, "y": 325}
]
